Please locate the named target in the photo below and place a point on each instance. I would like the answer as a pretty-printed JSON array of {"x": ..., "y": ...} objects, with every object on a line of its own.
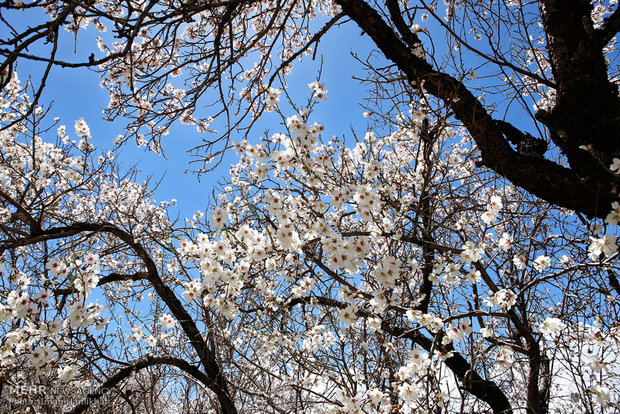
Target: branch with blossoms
[
  {"x": 471, "y": 381},
  {"x": 557, "y": 61},
  {"x": 111, "y": 278},
  {"x": 322, "y": 263},
  {"x": 70, "y": 214},
  {"x": 133, "y": 367},
  {"x": 304, "y": 221},
  {"x": 213, "y": 371},
  {"x": 548, "y": 180}
]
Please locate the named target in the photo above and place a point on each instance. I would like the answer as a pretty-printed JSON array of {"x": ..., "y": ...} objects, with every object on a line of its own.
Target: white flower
[
  {"x": 81, "y": 128},
  {"x": 319, "y": 91},
  {"x": 374, "y": 324},
  {"x": 416, "y": 28},
  {"x": 67, "y": 373},
  {"x": 43, "y": 296},
  {"x": 493, "y": 209},
  {"x": 542, "y": 262},
  {"x": 519, "y": 261},
  {"x": 602, "y": 394},
  {"x": 505, "y": 243},
  {"x": 6, "y": 313},
  {"x": 305, "y": 286},
  {"x": 504, "y": 356},
  {"x": 471, "y": 253},
  {"x": 551, "y": 327},
  {"x": 504, "y": 299},
  {"x": 605, "y": 245},
  {"x": 486, "y": 332},
  {"x": 56, "y": 266},
  {"x": 376, "y": 396},
  {"x": 136, "y": 333},
  {"x": 408, "y": 392},
  {"x": 41, "y": 356},
  {"x": 348, "y": 315},
  {"x": 473, "y": 276},
  {"x": 272, "y": 99},
  {"x": 193, "y": 289},
  {"x": 314, "y": 85},
  {"x": 615, "y": 165},
  {"x": 297, "y": 126},
  {"x": 387, "y": 272},
  {"x": 614, "y": 215},
  {"x": 219, "y": 217},
  {"x": 495, "y": 204},
  {"x": 452, "y": 273},
  {"x": 167, "y": 321},
  {"x": 458, "y": 332},
  {"x": 488, "y": 217}
]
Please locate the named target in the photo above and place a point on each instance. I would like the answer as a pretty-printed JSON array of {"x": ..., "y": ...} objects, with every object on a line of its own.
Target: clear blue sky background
[{"x": 76, "y": 93}]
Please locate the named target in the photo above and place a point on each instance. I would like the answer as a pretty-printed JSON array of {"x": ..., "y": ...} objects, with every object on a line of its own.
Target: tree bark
[{"x": 588, "y": 186}]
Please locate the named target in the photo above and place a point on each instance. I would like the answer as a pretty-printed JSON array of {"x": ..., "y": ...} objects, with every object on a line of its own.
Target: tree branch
[
  {"x": 610, "y": 27},
  {"x": 206, "y": 355},
  {"x": 483, "y": 389},
  {"x": 541, "y": 177},
  {"x": 137, "y": 365},
  {"x": 473, "y": 383},
  {"x": 112, "y": 277}
]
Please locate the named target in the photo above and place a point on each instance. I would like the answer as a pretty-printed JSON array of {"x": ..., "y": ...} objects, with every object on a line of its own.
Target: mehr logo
[{"x": 27, "y": 389}]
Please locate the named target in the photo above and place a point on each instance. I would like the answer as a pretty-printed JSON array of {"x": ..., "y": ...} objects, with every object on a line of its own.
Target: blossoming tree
[
  {"x": 377, "y": 277},
  {"x": 425, "y": 265}
]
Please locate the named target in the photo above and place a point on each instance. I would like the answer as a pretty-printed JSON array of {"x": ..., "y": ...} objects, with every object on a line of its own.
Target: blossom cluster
[{"x": 58, "y": 198}]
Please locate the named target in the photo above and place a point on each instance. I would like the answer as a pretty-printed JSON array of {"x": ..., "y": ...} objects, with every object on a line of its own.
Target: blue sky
[{"x": 75, "y": 93}]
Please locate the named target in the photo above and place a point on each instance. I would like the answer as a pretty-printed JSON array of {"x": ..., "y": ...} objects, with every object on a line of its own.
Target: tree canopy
[{"x": 446, "y": 259}]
